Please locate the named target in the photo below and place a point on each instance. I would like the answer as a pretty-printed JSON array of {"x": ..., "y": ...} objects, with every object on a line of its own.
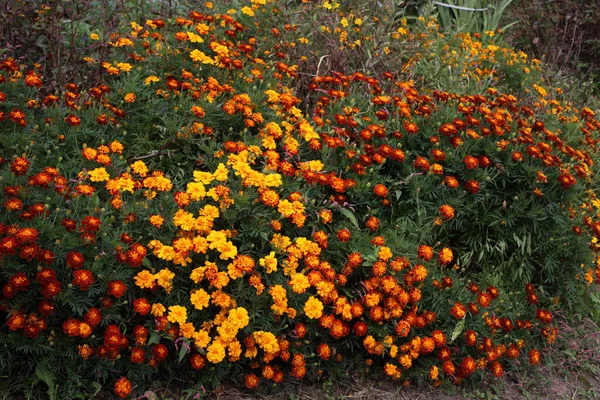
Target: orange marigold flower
[
  {"x": 122, "y": 387},
  {"x": 344, "y": 235},
  {"x": 380, "y": 190},
  {"x": 458, "y": 311},
  {"x": 425, "y": 252},
  {"x": 446, "y": 211},
  {"x": 445, "y": 256}
]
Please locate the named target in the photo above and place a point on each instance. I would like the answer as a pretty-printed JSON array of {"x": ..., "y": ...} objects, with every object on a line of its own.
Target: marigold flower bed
[{"x": 219, "y": 206}]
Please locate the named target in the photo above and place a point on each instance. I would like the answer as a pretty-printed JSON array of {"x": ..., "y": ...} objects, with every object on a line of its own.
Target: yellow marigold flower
[
  {"x": 280, "y": 242},
  {"x": 204, "y": 177},
  {"x": 156, "y": 220},
  {"x": 227, "y": 250},
  {"x": 221, "y": 173},
  {"x": 187, "y": 330},
  {"x": 269, "y": 262},
  {"x": 209, "y": 211},
  {"x": 266, "y": 341},
  {"x": 272, "y": 180},
  {"x": 144, "y": 279},
  {"x": 99, "y": 175},
  {"x": 151, "y": 79},
  {"x": 140, "y": 168},
  {"x": 94, "y": 36},
  {"x": 201, "y": 338},
  {"x": 313, "y": 308},
  {"x": 247, "y": 11},
  {"x": 194, "y": 38},
  {"x": 385, "y": 253},
  {"x": 238, "y": 317},
  {"x": 344, "y": 22},
  {"x": 158, "y": 310},
  {"x": 196, "y": 190},
  {"x": 177, "y": 314},
  {"x": 129, "y": 97},
  {"x": 125, "y": 67},
  {"x": 125, "y": 184},
  {"x": 285, "y": 208},
  {"x": 164, "y": 277},
  {"x": 215, "y": 352},
  {"x": 200, "y": 299},
  {"x": 184, "y": 220},
  {"x": 299, "y": 283},
  {"x": 198, "y": 56},
  {"x": 197, "y": 274},
  {"x": 166, "y": 253}
]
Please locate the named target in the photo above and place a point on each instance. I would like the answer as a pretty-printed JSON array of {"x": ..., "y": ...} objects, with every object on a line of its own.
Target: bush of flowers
[{"x": 247, "y": 194}]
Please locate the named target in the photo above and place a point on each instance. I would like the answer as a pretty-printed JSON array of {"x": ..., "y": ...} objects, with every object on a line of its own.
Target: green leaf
[
  {"x": 154, "y": 338},
  {"x": 350, "y": 215},
  {"x": 183, "y": 351},
  {"x": 457, "y": 330},
  {"x": 48, "y": 377}
]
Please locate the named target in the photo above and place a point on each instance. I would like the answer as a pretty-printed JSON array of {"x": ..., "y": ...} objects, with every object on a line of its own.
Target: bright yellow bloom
[
  {"x": 266, "y": 341},
  {"x": 313, "y": 308},
  {"x": 201, "y": 338},
  {"x": 205, "y": 177},
  {"x": 140, "y": 168},
  {"x": 215, "y": 352},
  {"x": 156, "y": 220},
  {"x": 158, "y": 310},
  {"x": 221, "y": 173},
  {"x": 200, "y": 298},
  {"x": 177, "y": 314},
  {"x": 269, "y": 262},
  {"x": 299, "y": 283},
  {"x": 99, "y": 175},
  {"x": 196, "y": 190},
  {"x": 144, "y": 279}
]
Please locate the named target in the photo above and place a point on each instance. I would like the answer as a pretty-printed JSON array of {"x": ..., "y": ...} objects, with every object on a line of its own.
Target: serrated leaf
[{"x": 350, "y": 215}]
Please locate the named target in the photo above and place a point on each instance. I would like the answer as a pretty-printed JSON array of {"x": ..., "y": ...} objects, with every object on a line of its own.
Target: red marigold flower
[
  {"x": 138, "y": 355},
  {"x": 197, "y": 361},
  {"x": 160, "y": 352},
  {"x": 458, "y": 311},
  {"x": 324, "y": 351},
  {"x": 91, "y": 224},
  {"x": 344, "y": 235},
  {"x": 9, "y": 245},
  {"x": 372, "y": 223},
  {"x": 497, "y": 369},
  {"x": 421, "y": 163},
  {"x": 446, "y": 211},
  {"x": 471, "y": 162},
  {"x": 425, "y": 252},
  {"x": 20, "y": 166},
  {"x": 380, "y": 190},
  {"x": 534, "y": 357},
  {"x": 73, "y": 120},
  {"x": 122, "y": 387},
  {"x": 83, "y": 278},
  {"x": 116, "y": 288},
  {"x": 75, "y": 259},
  {"x": 472, "y": 186},
  {"x": 451, "y": 182},
  {"x": 93, "y": 316},
  {"x": 252, "y": 381}
]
